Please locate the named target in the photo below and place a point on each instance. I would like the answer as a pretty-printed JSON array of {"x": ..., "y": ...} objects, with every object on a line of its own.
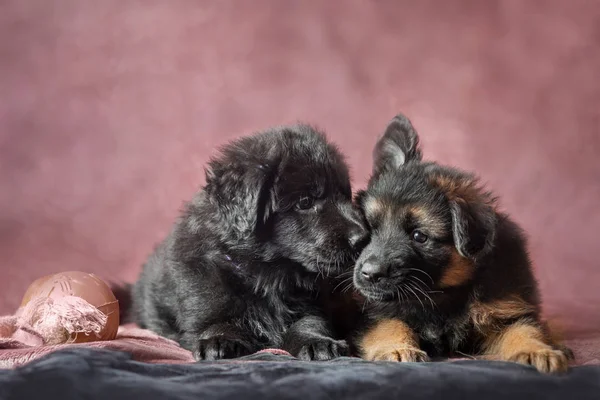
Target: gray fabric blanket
[{"x": 86, "y": 373}]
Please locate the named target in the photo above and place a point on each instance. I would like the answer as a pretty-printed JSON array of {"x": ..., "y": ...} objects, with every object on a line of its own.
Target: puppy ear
[
  {"x": 243, "y": 191},
  {"x": 473, "y": 227},
  {"x": 398, "y": 145},
  {"x": 265, "y": 203}
]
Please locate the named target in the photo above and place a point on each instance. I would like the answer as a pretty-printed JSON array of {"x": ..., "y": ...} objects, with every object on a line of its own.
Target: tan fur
[
  {"x": 459, "y": 271},
  {"x": 526, "y": 343},
  {"x": 391, "y": 340},
  {"x": 428, "y": 221},
  {"x": 487, "y": 317},
  {"x": 466, "y": 189},
  {"x": 457, "y": 188},
  {"x": 373, "y": 207}
]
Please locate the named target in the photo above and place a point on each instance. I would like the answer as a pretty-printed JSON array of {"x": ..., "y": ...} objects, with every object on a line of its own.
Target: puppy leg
[
  {"x": 310, "y": 339},
  {"x": 526, "y": 343},
  {"x": 391, "y": 340},
  {"x": 219, "y": 341}
]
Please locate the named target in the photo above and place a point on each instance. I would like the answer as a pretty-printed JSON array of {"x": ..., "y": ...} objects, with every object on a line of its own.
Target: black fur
[
  {"x": 243, "y": 265},
  {"x": 123, "y": 293},
  {"x": 402, "y": 278}
]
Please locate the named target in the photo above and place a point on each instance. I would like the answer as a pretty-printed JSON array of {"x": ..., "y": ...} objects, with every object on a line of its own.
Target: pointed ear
[
  {"x": 398, "y": 145},
  {"x": 473, "y": 227}
]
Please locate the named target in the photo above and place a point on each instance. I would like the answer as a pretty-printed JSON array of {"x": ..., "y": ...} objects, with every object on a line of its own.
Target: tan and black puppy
[{"x": 445, "y": 272}]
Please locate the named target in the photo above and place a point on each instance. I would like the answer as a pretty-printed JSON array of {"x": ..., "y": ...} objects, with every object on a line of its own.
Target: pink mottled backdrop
[{"x": 109, "y": 109}]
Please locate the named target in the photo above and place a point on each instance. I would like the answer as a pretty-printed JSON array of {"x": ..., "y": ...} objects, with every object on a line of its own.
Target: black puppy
[
  {"x": 445, "y": 272},
  {"x": 243, "y": 265}
]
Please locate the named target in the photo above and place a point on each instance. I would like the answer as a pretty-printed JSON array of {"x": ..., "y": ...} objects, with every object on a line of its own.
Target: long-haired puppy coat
[
  {"x": 445, "y": 272},
  {"x": 243, "y": 265}
]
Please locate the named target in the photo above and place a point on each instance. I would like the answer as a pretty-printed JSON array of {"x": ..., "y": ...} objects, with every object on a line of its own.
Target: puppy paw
[
  {"x": 219, "y": 347},
  {"x": 400, "y": 354},
  {"x": 545, "y": 360},
  {"x": 322, "y": 349}
]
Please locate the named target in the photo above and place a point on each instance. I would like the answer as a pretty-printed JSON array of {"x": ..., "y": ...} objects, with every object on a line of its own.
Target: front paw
[
  {"x": 400, "y": 354},
  {"x": 219, "y": 347},
  {"x": 322, "y": 349},
  {"x": 545, "y": 360}
]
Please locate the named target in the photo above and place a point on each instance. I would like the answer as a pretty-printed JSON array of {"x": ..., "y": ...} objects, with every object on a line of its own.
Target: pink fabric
[
  {"x": 142, "y": 344},
  {"x": 586, "y": 349},
  {"x": 110, "y": 109},
  {"x": 18, "y": 346}
]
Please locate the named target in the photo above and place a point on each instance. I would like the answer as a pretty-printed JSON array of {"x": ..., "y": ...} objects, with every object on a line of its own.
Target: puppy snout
[{"x": 374, "y": 272}]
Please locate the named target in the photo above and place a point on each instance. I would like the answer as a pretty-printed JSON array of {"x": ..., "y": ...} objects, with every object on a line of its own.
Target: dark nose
[
  {"x": 358, "y": 237},
  {"x": 374, "y": 272}
]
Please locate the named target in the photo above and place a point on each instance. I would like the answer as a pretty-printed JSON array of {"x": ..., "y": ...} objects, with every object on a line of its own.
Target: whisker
[
  {"x": 425, "y": 294},
  {"x": 423, "y": 272},
  {"x": 348, "y": 287},
  {"x": 419, "y": 283},
  {"x": 404, "y": 294},
  {"x": 319, "y": 272},
  {"x": 341, "y": 283},
  {"x": 425, "y": 290},
  {"x": 416, "y": 295},
  {"x": 345, "y": 273},
  {"x": 424, "y": 284},
  {"x": 466, "y": 355},
  {"x": 433, "y": 305}
]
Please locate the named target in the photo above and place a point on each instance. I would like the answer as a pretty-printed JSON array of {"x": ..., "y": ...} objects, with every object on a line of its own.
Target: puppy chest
[
  {"x": 269, "y": 320},
  {"x": 443, "y": 337}
]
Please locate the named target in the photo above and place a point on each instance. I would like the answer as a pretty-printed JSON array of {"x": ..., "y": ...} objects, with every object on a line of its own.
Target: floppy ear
[
  {"x": 398, "y": 145},
  {"x": 473, "y": 227},
  {"x": 243, "y": 192}
]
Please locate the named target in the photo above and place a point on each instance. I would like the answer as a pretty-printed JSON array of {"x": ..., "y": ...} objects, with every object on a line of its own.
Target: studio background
[{"x": 110, "y": 109}]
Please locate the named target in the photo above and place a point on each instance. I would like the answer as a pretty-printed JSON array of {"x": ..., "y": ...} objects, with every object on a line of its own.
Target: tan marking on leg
[
  {"x": 525, "y": 343},
  {"x": 391, "y": 340},
  {"x": 490, "y": 316}
]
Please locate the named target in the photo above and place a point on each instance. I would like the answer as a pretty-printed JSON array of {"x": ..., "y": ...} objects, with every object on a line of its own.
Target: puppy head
[
  {"x": 286, "y": 193},
  {"x": 429, "y": 224}
]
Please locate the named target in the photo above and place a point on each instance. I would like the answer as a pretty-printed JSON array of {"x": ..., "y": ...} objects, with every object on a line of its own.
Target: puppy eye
[
  {"x": 305, "y": 203},
  {"x": 419, "y": 236}
]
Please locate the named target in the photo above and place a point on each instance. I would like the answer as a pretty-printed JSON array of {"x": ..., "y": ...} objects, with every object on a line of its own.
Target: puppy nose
[
  {"x": 373, "y": 272},
  {"x": 358, "y": 238}
]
